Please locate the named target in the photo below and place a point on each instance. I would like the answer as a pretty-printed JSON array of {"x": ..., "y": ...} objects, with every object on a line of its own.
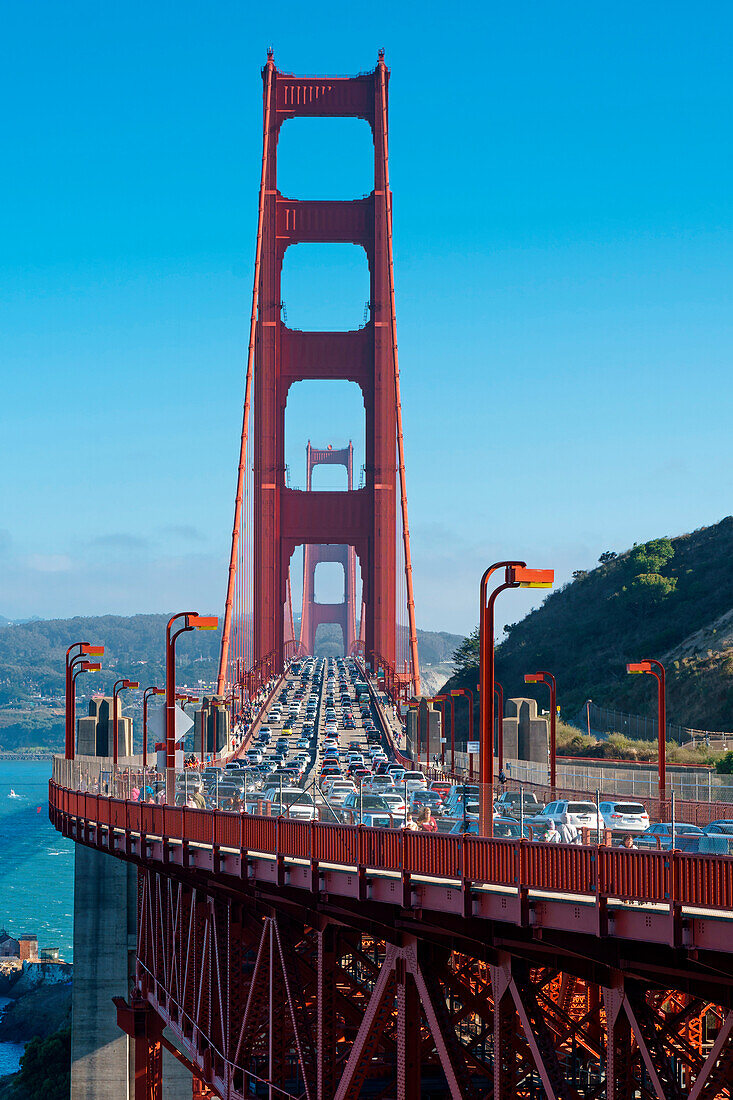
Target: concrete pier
[{"x": 105, "y": 903}]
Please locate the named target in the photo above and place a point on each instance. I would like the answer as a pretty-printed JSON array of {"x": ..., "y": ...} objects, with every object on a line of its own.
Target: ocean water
[
  {"x": 10, "y": 1053},
  {"x": 36, "y": 862},
  {"x": 36, "y": 871}
]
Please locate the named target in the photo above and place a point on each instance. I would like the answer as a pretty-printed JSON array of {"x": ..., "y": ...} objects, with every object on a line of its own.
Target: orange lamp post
[
  {"x": 516, "y": 575},
  {"x": 78, "y": 666},
  {"x": 121, "y": 685},
  {"x": 75, "y": 651},
  {"x": 146, "y": 695},
  {"x": 652, "y": 667},
  {"x": 549, "y": 679},
  {"x": 191, "y": 621},
  {"x": 499, "y": 693},
  {"x": 455, "y": 693},
  {"x": 440, "y": 700}
]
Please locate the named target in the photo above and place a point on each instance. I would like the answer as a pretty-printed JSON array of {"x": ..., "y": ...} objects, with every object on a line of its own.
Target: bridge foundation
[{"x": 105, "y": 924}]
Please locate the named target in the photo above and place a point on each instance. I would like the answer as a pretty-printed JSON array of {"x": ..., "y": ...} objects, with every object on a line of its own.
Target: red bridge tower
[{"x": 364, "y": 519}]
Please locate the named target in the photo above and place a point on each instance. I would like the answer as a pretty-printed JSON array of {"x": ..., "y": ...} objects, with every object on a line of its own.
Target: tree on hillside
[
  {"x": 44, "y": 1070},
  {"x": 467, "y": 654},
  {"x": 651, "y": 557},
  {"x": 649, "y": 587}
]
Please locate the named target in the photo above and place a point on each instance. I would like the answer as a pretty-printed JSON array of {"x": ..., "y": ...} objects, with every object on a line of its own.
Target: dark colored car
[
  {"x": 686, "y": 837},
  {"x": 505, "y": 828}
]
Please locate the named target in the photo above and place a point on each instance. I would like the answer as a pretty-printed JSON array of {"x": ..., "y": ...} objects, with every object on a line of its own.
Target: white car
[
  {"x": 291, "y": 802},
  {"x": 379, "y": 784},
  {"x": 338, "y": 790},
  {"x": 413, "y": 781},
  {"x": 395, "y": 802},
  {"x": 624, "y": 817},
  {"x": 568, "y": 812}
]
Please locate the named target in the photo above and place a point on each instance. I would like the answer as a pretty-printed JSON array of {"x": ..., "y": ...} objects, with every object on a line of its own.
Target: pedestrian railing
[{"x": 672, "y": 878}]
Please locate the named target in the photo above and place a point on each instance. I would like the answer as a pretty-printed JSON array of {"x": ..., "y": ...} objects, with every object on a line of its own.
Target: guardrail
[{"x": 671, "y": 878}]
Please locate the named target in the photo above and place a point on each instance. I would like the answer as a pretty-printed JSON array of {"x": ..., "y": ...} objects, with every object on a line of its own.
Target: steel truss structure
[{"x": 294, "y": 978}]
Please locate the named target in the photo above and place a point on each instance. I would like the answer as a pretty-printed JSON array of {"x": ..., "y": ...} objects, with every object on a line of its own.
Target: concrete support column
[{"x": 105, "y": 939}]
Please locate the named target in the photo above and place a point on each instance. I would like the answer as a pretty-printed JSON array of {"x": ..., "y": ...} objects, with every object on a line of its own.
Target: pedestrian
[
  {"x": 628, "y": 841},
  {"x": 502, "y": 778},
  {"x": 426, "y": 820},
  {"x": 409, "y": 823},
  {"x": 552, "y": 836}
]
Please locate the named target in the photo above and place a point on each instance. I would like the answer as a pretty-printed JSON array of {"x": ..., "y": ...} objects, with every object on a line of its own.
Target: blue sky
[{"x": 563, "y": 249}]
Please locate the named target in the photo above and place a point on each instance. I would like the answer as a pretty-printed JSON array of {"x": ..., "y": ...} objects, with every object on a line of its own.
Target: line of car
[{"x": 323, "y": 754}]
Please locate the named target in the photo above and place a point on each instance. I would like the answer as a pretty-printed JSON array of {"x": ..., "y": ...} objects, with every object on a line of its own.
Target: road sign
[
  {"x": 156, "y": 723},
  {"x": 473, "y": 747}
]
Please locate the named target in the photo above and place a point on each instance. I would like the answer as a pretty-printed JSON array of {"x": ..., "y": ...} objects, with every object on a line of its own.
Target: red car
[{"x": 441, "y": 787}]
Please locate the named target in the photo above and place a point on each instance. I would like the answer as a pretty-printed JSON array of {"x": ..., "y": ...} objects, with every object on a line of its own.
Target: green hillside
[
  {"x": 32, "y": 666},
  {"x": 669, "y": 598}
]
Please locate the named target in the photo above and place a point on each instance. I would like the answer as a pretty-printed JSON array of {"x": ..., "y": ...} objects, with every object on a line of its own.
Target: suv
[
  {"x": 580, "y": 814},
  {"x": 624, "y": 817},
  {"x": 509, "y": 803}
]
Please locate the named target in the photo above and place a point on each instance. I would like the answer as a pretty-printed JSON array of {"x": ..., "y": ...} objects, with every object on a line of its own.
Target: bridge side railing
[{"x": 670, "y": 878}]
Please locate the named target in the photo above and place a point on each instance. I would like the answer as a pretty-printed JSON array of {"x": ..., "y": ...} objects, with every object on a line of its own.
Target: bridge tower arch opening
[{"x": 343, "y": 612}]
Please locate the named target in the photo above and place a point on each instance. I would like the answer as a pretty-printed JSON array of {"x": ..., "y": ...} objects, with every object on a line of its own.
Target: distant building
[{"x": 24, "y": 948}]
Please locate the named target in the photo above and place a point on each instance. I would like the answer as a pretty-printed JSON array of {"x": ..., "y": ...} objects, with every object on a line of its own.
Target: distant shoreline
[{"x": 40, "y": 755}]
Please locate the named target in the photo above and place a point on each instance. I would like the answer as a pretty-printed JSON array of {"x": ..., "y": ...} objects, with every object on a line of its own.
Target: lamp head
[
  {"x": 131, "y": 684},
  {"x": 90, "y": 666},
  {"x": 532, "y": 578},
  {"x": 532, "y": 678},
  {"x": 639, "y": 667},
  {"x": 202, "y": 622}
]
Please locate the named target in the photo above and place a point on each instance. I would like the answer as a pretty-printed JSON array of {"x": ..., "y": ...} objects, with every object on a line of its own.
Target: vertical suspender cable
[
  {"x": 224, "y": 653},
  {"x": 398, "y": 405}
]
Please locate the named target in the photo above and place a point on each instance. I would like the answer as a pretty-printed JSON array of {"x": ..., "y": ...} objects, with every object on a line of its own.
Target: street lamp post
[
  {"x": 146, "y": 695},
  {"x": 652, "y": 667},
  {"x": 516, "y": 575},
  {"x": 469, "y": 695},
  {"x": 120, "y": 685},
  {"x": 191, "y": 621},
  {"x": 440, "y": 700},
  {"x": 499, "y": 693},
  {"x": 77, "y": 665},
  {"x": 73, "y": 653},
  {"x": 452, "y": 699},
  {"x": 549, "y": 679}
]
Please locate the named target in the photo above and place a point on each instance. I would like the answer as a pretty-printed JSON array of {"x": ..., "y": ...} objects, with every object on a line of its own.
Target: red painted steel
[
  {"x": 342, "y": 613},
  {"x": 653, "y": 876}
]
